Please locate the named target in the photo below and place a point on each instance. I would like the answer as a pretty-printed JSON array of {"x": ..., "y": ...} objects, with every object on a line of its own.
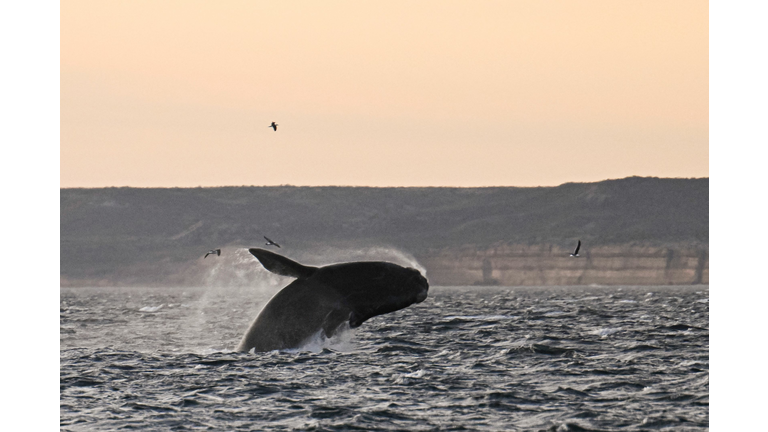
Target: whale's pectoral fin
[
  {"x": 281, "y": 265},
  {"x": 334, "y": 319},
  {"x": 356, "y": 318}
]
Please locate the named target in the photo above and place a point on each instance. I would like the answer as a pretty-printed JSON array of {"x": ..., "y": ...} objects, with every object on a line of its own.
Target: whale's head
[
  {"x": 375, "y": 288},
  {"x": 418, "y": 284}
]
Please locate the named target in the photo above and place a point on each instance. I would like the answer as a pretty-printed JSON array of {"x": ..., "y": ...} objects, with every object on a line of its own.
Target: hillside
[{"x": 115, "y": 236}]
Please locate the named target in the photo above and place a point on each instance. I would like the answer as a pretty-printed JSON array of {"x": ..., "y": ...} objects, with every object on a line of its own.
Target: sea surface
[{"x": 466, "y": 359}]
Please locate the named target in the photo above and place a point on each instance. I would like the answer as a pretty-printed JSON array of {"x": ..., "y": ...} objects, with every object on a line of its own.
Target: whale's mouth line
[
  {"x": 419, "y": 282},
  {"x": 421, "y": 296}
]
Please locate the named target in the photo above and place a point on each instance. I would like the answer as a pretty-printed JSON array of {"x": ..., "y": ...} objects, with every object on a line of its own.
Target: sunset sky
[{"x": 430, "y": 93}]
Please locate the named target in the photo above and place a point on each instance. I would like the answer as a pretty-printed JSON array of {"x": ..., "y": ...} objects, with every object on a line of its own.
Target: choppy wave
[{"x": 553, "y": 359}]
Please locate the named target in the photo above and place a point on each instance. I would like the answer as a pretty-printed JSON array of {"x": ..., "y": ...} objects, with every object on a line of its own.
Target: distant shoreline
[{"x": 635, "y": 231}]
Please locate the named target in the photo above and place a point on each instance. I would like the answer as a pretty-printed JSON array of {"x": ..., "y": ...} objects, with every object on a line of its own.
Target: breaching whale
[{"x": 323, "y": 298}]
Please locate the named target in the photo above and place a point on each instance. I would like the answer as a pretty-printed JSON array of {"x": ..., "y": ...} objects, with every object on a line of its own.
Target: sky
[{"x": 432, "y": 93}]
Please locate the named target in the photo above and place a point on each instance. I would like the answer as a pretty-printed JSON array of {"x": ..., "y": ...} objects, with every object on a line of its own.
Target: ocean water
[{"x": 466, "y": 359}]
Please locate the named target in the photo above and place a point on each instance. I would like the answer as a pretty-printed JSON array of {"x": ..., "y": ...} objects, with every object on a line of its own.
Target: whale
[{"x": 323, "y": 299}]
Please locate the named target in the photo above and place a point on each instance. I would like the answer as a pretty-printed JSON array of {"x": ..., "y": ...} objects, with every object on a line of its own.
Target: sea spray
[
  {"x": 236, "y": 273},
  {"x": 326, "y": 255},
  {"x": 237, "y": 268}
]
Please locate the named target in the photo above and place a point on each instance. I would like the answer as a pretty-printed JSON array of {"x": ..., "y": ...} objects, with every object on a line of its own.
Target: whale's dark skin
[{"x": 327, "y": 297}]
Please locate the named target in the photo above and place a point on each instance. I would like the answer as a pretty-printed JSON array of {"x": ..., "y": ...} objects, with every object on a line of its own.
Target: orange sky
[{"x": 462, "y": 93}]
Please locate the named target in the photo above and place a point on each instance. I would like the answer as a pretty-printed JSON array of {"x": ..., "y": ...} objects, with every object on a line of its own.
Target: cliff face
[{"x": 514, "y": 265}]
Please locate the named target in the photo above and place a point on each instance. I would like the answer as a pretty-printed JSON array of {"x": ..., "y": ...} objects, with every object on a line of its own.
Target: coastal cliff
[{"x": 513, "y": 265}]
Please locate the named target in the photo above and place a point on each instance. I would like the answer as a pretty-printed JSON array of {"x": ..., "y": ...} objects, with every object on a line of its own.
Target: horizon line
[{"x": 379, "y": 187}]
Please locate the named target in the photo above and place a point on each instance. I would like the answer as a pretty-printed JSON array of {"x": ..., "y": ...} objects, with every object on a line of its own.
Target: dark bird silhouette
[
  {"x": 273, "y": 126},
  {"x": 270, "y": 242},
  {"x": 213, "y": 251},
  {"x": 576, "y": 252}
]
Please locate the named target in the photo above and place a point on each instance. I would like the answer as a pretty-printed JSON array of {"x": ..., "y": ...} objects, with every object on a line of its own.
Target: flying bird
[
  {"x": 270, "y": 242},
  {"x": 273, "y": 126},
  {"x": 576, "y": 252},
  {"x": 213, "y": 251}
]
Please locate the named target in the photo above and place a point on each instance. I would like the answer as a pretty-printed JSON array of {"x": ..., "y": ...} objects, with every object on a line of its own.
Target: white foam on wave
[
  {"x": 554, "y": 313},
  {"x": 481, "y": 317},
  {"x": 405, "y": 378},
  {"x": 151, "y": 308},
  {"x": 206, "y": 351},
  {"x": 417, "y": 374},
  {"x": 605, "y": 332}
]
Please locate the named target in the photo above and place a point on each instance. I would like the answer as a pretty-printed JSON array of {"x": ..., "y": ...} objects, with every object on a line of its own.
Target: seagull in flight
[
  {"x": 273, "y": 126},
  {"x": 270, "y": 242},
  {"x": 213, "y": 251},
  {"x": 576, "y": 252}
]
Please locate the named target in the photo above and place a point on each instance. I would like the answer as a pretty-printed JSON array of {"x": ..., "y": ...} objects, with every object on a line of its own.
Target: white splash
[{"x": 342, "y": 341}]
